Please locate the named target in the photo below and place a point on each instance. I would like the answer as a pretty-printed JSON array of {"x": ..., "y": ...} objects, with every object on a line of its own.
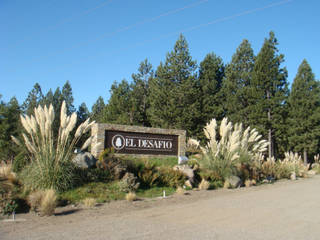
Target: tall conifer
[
  {"x": 211, "y": 73},
  {"x": 236, "y": 84},
  {"x": 304, "y": 112},
  {"x": 268, "y": 94},
  {"x": 174, "y": 92}
]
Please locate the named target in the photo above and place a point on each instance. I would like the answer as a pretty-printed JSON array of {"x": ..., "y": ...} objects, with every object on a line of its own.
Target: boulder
[
  {"x": 186, "y": 170},
  {"x": 129, "y": 183},
  {"x": 84, "y": 160},
  {"x": 234, "y": 181}
]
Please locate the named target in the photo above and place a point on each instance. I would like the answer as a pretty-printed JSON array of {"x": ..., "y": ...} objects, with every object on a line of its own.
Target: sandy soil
[{"x": 284, "y": 210}]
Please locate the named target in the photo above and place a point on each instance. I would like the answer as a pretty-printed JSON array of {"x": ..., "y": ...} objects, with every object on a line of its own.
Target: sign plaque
[
  {"x": 141, "y": 143},
  {"x": 137, "y": 141}
]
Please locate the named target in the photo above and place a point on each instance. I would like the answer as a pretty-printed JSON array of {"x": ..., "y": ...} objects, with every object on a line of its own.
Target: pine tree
[
  {"x": 9, "y": 125},
  {"x": 140, "y": 92},
  {"x": 97, "y": 110},
  {"x": 268, "y": 94},
  {"x": 119, "y": 108},
  {"x": 304, "y": 112},
  {"x": 83, "y": 113},
  {"x": 35, "y": 97},
  {"x": 67, "y": 96},
  {"x": 175, "y": 91},
  {"x": 211, "y": 73},
  {"x": 236, "y": 84}
]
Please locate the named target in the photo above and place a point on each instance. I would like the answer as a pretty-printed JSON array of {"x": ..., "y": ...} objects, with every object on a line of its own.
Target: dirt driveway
[{"x": 284, "y": 210}]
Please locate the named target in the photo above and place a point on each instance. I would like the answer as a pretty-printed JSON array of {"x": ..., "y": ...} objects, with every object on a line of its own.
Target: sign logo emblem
[{"x": 118, "y": 142}]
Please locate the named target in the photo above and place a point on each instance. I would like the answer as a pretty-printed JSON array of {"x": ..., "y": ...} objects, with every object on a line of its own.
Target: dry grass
[
  {"x": 248, "y": 183},
  {"x": 89, "y": 202},
  {"x": 48, "y": 203},
  {"x": 131, "y": 196},
  {"x": 180, "y": 191},
  {"x": 7, "y": 173},
  {"x": 34, "y": 199},
  {"x": 204, "y": 185},
  {"x": 226, "y": 185}
]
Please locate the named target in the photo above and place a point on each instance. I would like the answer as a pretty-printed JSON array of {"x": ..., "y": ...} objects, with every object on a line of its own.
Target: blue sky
[{"x": 93, "y": 43}]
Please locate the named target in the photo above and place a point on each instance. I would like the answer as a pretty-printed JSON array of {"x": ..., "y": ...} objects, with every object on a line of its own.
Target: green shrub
[{"x": 170, "y": 178}]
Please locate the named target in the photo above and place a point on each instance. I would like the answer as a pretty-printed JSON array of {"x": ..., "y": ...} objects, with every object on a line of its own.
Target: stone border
[{"x": 98, "y": 133}]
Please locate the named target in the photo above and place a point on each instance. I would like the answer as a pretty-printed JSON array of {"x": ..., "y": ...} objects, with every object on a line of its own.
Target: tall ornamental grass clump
[
  {"x": 51, "y": 166},
  {"x": 229, "y": 147}
]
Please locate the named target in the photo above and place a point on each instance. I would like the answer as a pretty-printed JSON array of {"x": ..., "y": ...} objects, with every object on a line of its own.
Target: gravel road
[{"x": 284, "y": 210}]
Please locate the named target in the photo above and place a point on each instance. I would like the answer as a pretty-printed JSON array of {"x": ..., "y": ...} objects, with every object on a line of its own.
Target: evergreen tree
[
  {"x": 175, "y": 91},
  {"x": 97, "y": 110},
  {"x": 83, "y": 113},
  {"x": 304, "y": 112},
  {"x": 140, "y": 92},
  {"x": 67, "y": 96},
  {"x": 211, "y": 73},
  {"x": 268, "y": 94},
  {"x": 35, "y": 97},
  {"x": 238, "y": 77},
  {"x": 119, "y": 108},
  {"x": 9, "y": 125}
]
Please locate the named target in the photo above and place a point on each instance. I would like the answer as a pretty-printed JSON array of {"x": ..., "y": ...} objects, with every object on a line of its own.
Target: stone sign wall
[{"x": 139, "y": 141}]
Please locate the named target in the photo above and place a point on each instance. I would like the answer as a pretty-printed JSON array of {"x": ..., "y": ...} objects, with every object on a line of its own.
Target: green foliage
[
  {"x": 119, "y": 108},
  {"x": 103, "y": 192},
  {"x": 20, "y": 161},
  {"x": 140, "y": 93},
  {"x": 97, "y": 110},
  {"x": 304, "y": 112},
  {"x": 174, "y": 91},
  {"x": 236, "y": 84},
  {"x": 35, "y": 97},
  {"x": 268, "y": 95},
  {"x": 211, "y": 73},
  {"x": 9, "y": 125}
]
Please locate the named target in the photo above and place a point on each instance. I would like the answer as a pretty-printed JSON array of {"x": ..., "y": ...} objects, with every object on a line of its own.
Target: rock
[
  {"x": 186, "y": 170},
  {"x": 129, "y": 183},
  {"x": 234, "y": 181},
  {"x": 293, "y": 176},
  {"x": 182, "y": 160},
  {"x": 84, "y": 160}
]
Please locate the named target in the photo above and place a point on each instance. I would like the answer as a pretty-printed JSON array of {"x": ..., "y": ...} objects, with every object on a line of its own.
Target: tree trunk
[{"x": 305, "y": 157}]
